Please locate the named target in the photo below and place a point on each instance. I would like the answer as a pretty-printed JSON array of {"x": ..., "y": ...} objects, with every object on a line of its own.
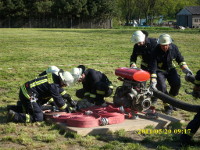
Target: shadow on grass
[{"x": 3, "y": 115}]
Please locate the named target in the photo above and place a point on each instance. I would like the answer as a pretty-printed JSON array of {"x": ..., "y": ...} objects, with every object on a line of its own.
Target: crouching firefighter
[
  {"x": 193, "y": 125},
  {"x": 67, "y": 98},
  {"x": 96, "y": 85},
  {"x": 33, "y": 92}
]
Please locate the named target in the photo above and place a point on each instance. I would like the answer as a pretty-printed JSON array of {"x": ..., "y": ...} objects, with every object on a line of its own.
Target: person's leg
[
  {"x": 191, "y": 129},
  {"x": 32, "y": 111},
  {"x": 80, "y": 93},
  {"x": 102, "y": 90},
  {"x": 161, "y": 86},
  {"x": 174, "y": 82}
]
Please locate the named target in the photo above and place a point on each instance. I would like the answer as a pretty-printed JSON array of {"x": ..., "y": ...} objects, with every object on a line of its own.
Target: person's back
[{"x": 96, "y": 85}]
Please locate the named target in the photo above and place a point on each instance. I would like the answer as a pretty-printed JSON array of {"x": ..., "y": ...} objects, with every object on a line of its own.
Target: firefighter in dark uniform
[
  {"x": 143, "y": 47},
  {"x": 193, "y": 126},
  {"x": 68, "y": 99},
  {"x": 163, "y": 67},
  {"x": 34, "y": 93},
  {"x": 96, "y": 85}
]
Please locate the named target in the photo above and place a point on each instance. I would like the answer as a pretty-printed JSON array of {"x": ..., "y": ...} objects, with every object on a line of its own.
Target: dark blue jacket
[
  {"x": 92, "y": 77},
  {"x": 45, "y": 87},
  {"x": 143, "y": 51},
  {"x": 165, "y": 60}
]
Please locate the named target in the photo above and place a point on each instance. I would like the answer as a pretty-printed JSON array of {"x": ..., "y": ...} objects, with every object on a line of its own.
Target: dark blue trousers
[{"x": 173, "y": 79}]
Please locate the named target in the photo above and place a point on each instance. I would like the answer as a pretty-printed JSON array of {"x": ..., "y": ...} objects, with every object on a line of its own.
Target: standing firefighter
[
  {"x": 163, "y": 67},
  {"x": 143, "y": 47},
  {"x": 96, "y": 85},
  {"x": 193, "y": 126},
  {"x": 33, "y": 94}
]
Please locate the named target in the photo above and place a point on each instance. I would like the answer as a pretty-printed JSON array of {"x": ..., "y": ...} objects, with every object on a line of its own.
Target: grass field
[{"x": 27, "y": 52}]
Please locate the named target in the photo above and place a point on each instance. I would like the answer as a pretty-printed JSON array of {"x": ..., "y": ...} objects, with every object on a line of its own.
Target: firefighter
[
  {"x": 33, "y": 93},
  {"x": 143, "y": 47},
  {"x": 193, "y": 125},
  {"x": 68, "y": 99},
  {"x": 96, "y": 85},
  {"x": 163, "y": 68}
]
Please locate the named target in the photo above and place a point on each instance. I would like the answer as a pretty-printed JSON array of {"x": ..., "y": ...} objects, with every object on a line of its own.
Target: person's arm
[
  {"x": 180, "y": 60},
  {"x": 57, "y": 97},
  {"x": 133, "y": 58}
]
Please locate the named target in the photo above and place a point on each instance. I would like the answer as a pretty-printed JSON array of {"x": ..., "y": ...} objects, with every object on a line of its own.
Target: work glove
[
  {"x": 153, "y": 83},
  {"x": 186, "y": 70},
  {"x": 133, "y": 65},
  {"x": 69, "y": 109},
  {"x": 73, "y": 103}
]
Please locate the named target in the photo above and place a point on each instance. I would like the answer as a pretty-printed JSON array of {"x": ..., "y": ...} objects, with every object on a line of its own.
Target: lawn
[{"x": 27, "y": 52}]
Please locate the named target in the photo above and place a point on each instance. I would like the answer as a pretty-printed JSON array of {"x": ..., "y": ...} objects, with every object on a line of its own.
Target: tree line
[
  {"x": 152, "y": 9},
  {"x": 78, "y": 11}
]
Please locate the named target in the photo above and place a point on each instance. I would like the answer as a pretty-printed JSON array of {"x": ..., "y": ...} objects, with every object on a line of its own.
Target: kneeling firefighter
[
  {"x": 96, "y": 85},
  {"x": 33, "y": 94},
  {"x": 67, "y": 98},
  {"x": 193, "y": 126}
]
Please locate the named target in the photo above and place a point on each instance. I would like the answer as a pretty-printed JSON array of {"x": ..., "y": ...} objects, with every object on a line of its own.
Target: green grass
[{"x": 27, "y": 52}]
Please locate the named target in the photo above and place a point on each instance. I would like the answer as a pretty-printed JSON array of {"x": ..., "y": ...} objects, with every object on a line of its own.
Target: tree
[{"x": 127, "y": 10}]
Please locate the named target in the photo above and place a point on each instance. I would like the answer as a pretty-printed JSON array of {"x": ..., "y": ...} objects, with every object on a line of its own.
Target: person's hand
[
  {"x": 187, "y": 71},
  {"x": 153, "y": 84},
  {"x": 69, "y": 109},
  {"x": 73, "y": 102},
  {"x": 133, "y": 66}
]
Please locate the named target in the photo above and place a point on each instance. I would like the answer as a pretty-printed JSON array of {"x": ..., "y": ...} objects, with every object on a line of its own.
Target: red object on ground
[
  {"x": 83, "y": 121},
  {"x": 113, "y": 117},
  {"x": 89, "y": 117},
  {"x": 132, "y": 74}
]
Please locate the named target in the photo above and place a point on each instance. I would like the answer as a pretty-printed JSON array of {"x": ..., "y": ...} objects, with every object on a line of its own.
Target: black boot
[
  {"x": 168, "y": 110},
  {"x": 186, "y": 140},
  {"x": 11, "y": 116}
]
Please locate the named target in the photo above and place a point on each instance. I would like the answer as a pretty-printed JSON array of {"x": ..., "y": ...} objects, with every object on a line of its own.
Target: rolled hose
[{"x": 176, "y": 103}]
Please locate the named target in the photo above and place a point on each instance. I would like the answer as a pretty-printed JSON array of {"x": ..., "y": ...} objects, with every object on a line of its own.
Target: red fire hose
[{"x": 90, "y": 117}]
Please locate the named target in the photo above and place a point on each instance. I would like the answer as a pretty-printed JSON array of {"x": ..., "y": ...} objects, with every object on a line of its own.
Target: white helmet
[
  {"x": 164, "y": 39},
  {"x": 66, "y": 78},
  {"x": 76, "y": 73},
  {"x": 138, "y": 36},
  {"x": 52, "y": 69}
]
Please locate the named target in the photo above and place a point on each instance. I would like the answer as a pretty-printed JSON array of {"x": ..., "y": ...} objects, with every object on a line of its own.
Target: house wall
[
  {"x": 184, "y": 18},
  {"x": 196, "y": 21}
]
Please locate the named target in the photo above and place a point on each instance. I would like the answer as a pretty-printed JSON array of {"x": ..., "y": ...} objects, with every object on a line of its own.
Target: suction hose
[{"x": 176, "y": 103}]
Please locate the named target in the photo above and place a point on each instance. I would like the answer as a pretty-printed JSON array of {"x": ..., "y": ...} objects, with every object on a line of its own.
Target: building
[{"x": 189, "y": 17}]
